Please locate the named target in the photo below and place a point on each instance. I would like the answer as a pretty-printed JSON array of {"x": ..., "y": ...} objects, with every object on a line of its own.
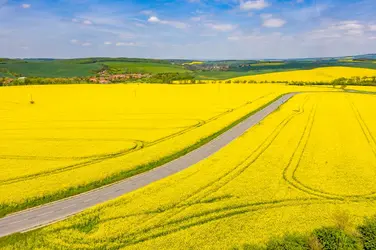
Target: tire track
[
  {"x": 198, "y": 219},
  {"x": 237, "y": 170},
  {"x": 294, "y": 162},
  {"x": 291, "y": 178},
  {"x": 138, "y": 145},
  {"x": 61, "y": 209}
]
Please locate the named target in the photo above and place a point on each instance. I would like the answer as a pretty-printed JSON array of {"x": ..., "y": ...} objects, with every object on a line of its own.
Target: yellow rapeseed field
[
  {"x": 194, "y": 63},
  {"x": 326, "y": 74},
  {"x": 76, "y": 135},
  {"x": 290, "y": 173}
]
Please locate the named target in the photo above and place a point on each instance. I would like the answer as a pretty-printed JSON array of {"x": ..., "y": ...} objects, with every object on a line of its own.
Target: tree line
[
  {"x": 156, "y": 78},
  {"x": 367, "y": 81},
  {"x": 179, "y": 78}
]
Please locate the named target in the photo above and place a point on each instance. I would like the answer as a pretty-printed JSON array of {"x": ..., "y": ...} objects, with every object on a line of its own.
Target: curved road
[{"x": 43, "y": 215}]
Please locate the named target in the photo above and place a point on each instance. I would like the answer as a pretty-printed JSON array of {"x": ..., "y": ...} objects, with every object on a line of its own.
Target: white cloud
[
  {"x": 25, "y": 6},
  {"x": 330, "y": 42},
  {"x": 254, "y": 37},
  {"x": 176, "y": 24},
  {"x": 125, "y": 44},
  {"x": 348, "y": 25},
  {"x": 196, "y": 18},
  {"x": 355, "y": 32},
  {"x": 77, "y": 42},
  {"x": 141, "y": 25},
  {"x": 372, "y": 27},
  {"x": 306, "y": 14},
  {"x": 233, "y": 38},
  {"x": 153, "y": 19},
  {"x": 322, "y": 34},
  {"x": 300, "y": 1},
  {"x": 24, "y": 47},
  {"x": 266, "y": 16},
  {"x": 343, "y": 29},
  {"x": 253, "y": 5},
  {"x": 221, "y": 27},
  {"x": 99, "y": 19},
  {"x": 107, "y": 43},
  {"x": 87, "y": 22},
  {"x": 271, "y": 22}
]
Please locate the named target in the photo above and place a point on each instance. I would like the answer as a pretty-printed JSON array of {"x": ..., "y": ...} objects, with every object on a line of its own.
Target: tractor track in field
[
  {"x": 212, "y": 187},
  {"x": 46, "y": 214},
  {"x": 172, "y": 222},
  {"x": 289, "y": 174}
]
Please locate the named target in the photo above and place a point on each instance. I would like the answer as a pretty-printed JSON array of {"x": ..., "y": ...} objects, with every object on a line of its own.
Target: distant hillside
[
  {"x": 366, "y": 56},
  {"x": 204, "y": 70}
]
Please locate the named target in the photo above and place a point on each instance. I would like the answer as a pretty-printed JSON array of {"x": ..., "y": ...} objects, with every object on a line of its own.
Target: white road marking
[{"x": 67, "y": 207}]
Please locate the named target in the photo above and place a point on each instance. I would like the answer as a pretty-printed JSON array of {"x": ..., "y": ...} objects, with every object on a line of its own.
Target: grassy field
[
  {"x": 290, "y": 173},
  {"x": 200, "y": 70},
  {"x": 224, "y": 75},
  {"x": 77, "y": 68},
  {"x": 326, "y": 74},
  {"x": 122, "y": 67},
  {"x": 78, "y": 137},
  {"x": 3, "y": 74},
  {"x": 261, "y": 64},
  {"x": 51, "y": 69}
]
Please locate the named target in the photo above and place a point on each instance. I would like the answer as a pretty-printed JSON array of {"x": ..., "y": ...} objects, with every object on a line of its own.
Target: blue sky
[{"x": 193, "y": 29}]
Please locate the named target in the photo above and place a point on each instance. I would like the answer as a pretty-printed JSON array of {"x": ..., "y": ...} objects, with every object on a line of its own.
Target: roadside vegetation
[{"x": 342, "y": 235}]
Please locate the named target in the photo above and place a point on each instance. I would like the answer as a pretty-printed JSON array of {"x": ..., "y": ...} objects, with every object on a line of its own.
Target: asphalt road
[{"x": 43, "y": 215}]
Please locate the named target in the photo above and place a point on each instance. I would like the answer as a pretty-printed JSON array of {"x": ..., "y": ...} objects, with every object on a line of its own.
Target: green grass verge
[{"x": 6, "y": 209}]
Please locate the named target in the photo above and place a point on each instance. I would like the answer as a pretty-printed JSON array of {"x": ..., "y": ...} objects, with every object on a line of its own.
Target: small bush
[
  {"x": 332, "y": 238},
  {"x": 288, "y": 242},
  {"x": 368, "y": 233},
  {"x": 314, "y": 243},
  {"x": 342, "y": 221}
]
